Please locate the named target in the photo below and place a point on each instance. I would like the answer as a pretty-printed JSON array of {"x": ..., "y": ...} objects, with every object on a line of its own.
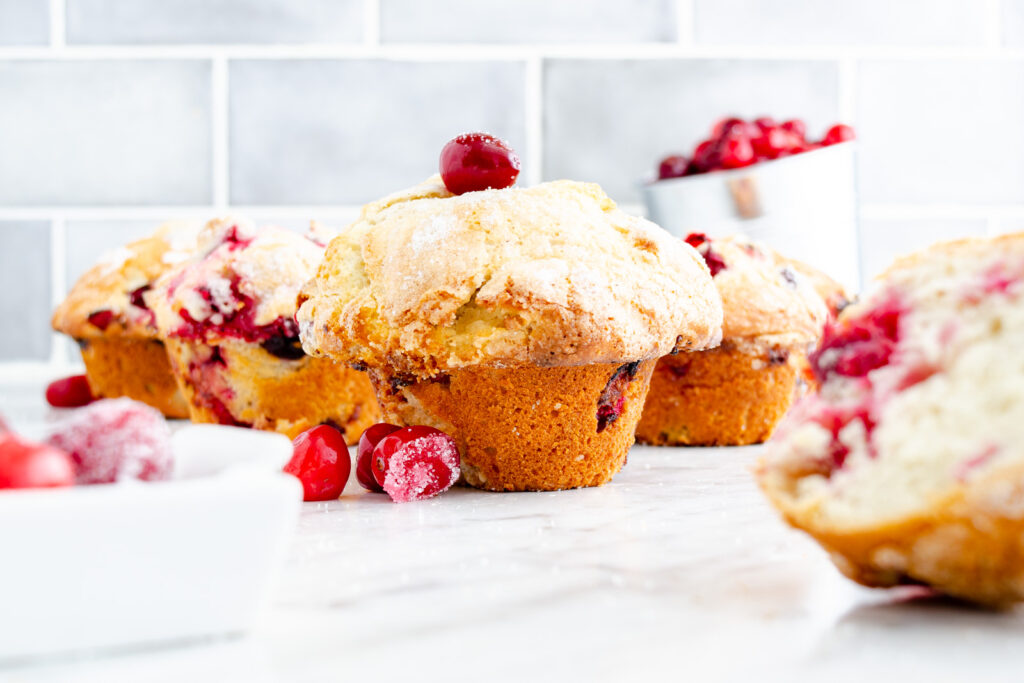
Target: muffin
[
  {"x": 907, "y": 465},
  {"x": 107, "y": 313},
  {"x": 735, "y": 394},
  {"x": 227, "y": 315},
  {"x": 523, "y": 322}
]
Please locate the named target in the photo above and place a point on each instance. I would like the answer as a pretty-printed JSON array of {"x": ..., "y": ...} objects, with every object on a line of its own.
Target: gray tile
[
  {"x": 347, "y": 131},
  {"x": 881, "y": 241},
  {"x": 214, "y": 21},
  {"x": 88, "y": 241},
  {"x": 941, "y": 131},
  {"x": 24, "y": 22},
  {"x": 105, "y": 132},
  {"x": 611, "y": 121},
  {"x": 25, "y": 302},
  {"x": 839, "y": 22},
  {"x": 527, "y": 21}
]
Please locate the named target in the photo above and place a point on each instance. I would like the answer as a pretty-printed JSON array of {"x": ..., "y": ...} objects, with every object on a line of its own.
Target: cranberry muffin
[
  {"x": 228, "y": 317},
  {"x": 525, "y": 322},
  {"x": 108, "y": 314},
  {"x": 907, "y": 465},
  {"x": 735, "y": 394}
]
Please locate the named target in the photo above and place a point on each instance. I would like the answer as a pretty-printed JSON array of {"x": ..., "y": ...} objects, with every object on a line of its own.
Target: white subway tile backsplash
[
  {"x": 348, "y": 131},
  {"x": 24, "y": 22},
  {"x": 883, "y": 240},
  {"x": 941, "y": 131},
  {"x": 214, "y": 21},
  {"x": 105, "y": 132},
  {"x": 610, "y": 121},
  {"x": 839, "y": 22},
  {"x": 527, "y": 21},
  {"x": 25, "y": 290}
]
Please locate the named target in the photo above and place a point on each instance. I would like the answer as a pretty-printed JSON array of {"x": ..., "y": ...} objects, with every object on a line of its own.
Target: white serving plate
[
  {"x": 804, "y": 205},
  {"x": 138, "y": 564}
]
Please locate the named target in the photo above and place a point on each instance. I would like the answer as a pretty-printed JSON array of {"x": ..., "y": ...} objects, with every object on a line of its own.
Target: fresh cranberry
[
  {"x": 364, "y": 460},
  {"x": 702, "y": 243},
  {"x": 69, "y": 392},
  {"x": 764, "y": 123},
  {"x": 735, "y": 151},
  {"x": 414, "y": 463},
  {"x": 771, "y": 142},
  {"x": 674, "y": 166},
  {"x": 703, "y": 156},
  {"x": 853, "y": 347},
  {"x": 477, "y": 161},
  {"x": 320, "y": 461},
  {"x": 116, "y": 439},
  {"x": 25, "y": 465},
  {"x": 838, "y": 133},
  {"x": 795, "y": 126},
  {"x": 612, "y": 400},
  {"x": 101, "y": 319},
  {"x": 727, "y": 126}
]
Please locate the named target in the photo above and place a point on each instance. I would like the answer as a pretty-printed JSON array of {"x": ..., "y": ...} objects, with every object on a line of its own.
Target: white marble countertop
[{"x": 677, "y": 569}]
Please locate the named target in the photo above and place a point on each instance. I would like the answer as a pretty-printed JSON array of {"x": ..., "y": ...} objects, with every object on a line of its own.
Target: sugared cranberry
[
  {"x": 674, "y": 166},
  {"x": 69, "y": 392},
  {"x": 795, "y": 126},
  {"x": 320, "y": 461},
  {"x": 101, "y": 319},
  {"x": 114, "y": 440},
  {"x": 416, "y": 463},
  {"x": 838, "y": 133},
  {"x": 25, "y": 465},
  {"x": 477, "y": 161},
  {"x": 364, "y": 458},
  {"x": 854, "y": 347},
  {"x": 702, "y": 244}
]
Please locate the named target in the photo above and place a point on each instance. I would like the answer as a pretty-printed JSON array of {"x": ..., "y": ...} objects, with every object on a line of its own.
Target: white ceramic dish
[
  {"x": 804, "y": 205},
  {"x": 137, "y": 564}
]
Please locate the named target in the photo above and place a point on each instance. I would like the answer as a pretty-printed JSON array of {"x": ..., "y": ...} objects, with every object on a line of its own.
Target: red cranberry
[
  {"x": 416, "y": 463},
  {"x": 25, "y": 465},
  {"x": 702, "y": 244},
  {"x": 853, "y": 347},
  {"x": 320, "y": 461},
  {"x": 114, "y": 440},
  {"x": 612, "y": 400},
  {"x": 772, "y": 142},
  {"x": 764, "y": 123},
  {"x": 838, "y": 133},
  {"x": 735, "y": 151},
  {"x": 477, "y": 161},
  {"x": 727, "y": 126},
  {"x": 674, "y": 166},
  {"x": 364, "y": 461},
  {"x": 137, "y": 298},
  {"x": 795, "y": 126},
  {"x": 703, "y": 156},
  {"x": 101, "y": 319},
  {"x": 70, "y": 392}
]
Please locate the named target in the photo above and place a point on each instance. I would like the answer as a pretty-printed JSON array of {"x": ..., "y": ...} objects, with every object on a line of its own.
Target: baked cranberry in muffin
[
  {"x": 736, "y": 394},
  {"x": 228, "y": 315}
]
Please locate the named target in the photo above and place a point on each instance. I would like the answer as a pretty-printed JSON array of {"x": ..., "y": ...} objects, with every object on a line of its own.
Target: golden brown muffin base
[
  {"x": 965, "y": 545},
  {"x": 723, "y": 397},
  {"x": 133, "y": 367},
  {"x": 528, "y": 429},
  {"x": 241, "y": 384}
]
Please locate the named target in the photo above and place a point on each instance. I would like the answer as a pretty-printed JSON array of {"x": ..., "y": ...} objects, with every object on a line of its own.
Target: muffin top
[
  {"x": 768, "y": 299},
  {"x": 240, "y": 283},
  {"x": 111, "y": 298},
  {"x": 425, "y": 282}
]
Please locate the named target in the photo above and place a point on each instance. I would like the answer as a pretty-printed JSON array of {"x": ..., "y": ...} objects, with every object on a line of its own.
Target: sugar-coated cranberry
[
  {"x": 69, "y": 392},
  {"x": 853, "y": 347},
  {"x": 114, "y": 440},
  {"x": 320, "y": 461},
  {"x": 838, "y": 133},
  {"x": 416, "y": 462},
  {"x": 795, "y": 126},
  {"x": 25, "y": 465},
  {"x": 674, "y": 166},
  {"x": 364, "y": 458},
  {"x": 101, "y": 319},
  {"x": 477, "y": 161}
]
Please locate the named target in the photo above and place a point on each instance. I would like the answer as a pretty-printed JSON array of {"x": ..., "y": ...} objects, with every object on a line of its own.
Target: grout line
[
  {"x": 58, "y": 23},
  {"x": 686, "y": 12},
  {"x": 219, "y": 131},
  {"x": 58, "y": 283},
  {"x": 371, "y": 23},
  {"x": 848, "y": 90},
  {"x": 534, "y": 101}
]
